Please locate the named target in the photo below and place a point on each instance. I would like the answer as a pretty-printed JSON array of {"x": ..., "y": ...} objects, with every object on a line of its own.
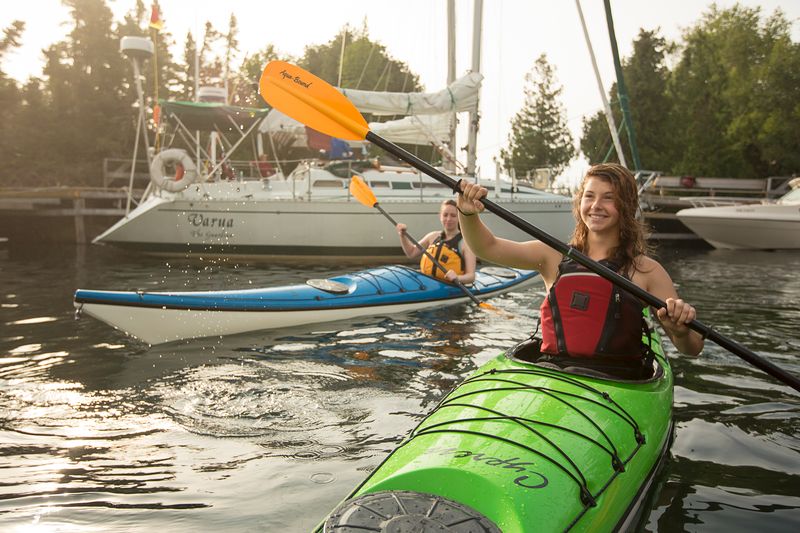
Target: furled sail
[
  {"x": 461, "y": 95},
  {"x": 409, "y": 130},
  {"x": 426, "y": 119}
]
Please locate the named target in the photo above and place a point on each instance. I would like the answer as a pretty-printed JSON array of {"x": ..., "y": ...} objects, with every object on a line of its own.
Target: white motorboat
[{"x": 764, "y": 226}]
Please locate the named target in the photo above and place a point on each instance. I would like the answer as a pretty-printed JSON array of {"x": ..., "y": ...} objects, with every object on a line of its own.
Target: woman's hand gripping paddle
[
  {"x": 366, "y": 197},
  {"x": 312, "y": 101}
]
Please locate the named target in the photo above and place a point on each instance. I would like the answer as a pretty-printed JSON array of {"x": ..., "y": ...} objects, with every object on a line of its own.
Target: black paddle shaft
[
  {"x": 707, "y": 332},
  {"x": 429, "y": 256}
]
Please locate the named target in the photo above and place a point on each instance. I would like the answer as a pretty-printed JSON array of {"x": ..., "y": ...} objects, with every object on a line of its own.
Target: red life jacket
[{"x": 585, "y": 315}]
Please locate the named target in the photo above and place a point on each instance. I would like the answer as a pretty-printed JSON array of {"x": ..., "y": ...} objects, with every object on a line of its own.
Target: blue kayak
[{"x": 159, "y": 317}]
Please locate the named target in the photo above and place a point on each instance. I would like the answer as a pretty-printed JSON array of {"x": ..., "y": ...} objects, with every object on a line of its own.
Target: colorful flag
[{"x": 155, "y": 18}]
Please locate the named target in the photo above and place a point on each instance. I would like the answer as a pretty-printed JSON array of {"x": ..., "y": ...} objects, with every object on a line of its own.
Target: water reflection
[{"x": 269, "y": 430}]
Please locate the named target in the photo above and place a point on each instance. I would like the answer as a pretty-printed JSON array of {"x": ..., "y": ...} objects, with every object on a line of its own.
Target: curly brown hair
[{"x": 632, "y": 231}]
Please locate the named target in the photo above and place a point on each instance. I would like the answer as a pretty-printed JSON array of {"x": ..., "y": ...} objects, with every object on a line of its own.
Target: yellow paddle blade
[
  {"x": 362, "y": 192},
  {"x": 312, "y": 101}
]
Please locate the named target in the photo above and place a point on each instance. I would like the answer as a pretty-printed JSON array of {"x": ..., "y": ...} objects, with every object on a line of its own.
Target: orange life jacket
[{"x": 447, "y": 253}]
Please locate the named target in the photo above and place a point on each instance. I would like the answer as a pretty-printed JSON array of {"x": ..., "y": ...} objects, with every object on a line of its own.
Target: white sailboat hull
[{"x": 244, "y": 219}]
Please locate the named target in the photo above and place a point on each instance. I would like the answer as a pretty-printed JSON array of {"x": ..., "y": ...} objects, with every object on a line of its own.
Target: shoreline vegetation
[{"x": 723, "y": 101}]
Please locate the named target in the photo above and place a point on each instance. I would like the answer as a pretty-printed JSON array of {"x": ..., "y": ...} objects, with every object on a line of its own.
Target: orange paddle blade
[
  {"x": 490, "y": 307},
  {"x": 312, "y": 101},
  {"x": 362, "y": 192}
]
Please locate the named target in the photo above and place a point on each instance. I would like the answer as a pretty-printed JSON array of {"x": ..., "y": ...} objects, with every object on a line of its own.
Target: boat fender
[
  {"x": 179, "y": 158},
  {"x": 403, "y": 510}
]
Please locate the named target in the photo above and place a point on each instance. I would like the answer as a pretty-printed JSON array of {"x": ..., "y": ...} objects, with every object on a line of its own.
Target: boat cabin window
[
  {"x": 384, "y": 184},
  {"x": 402, "y": 185},
  {"x": 430, "y": 185},
  {"x": 329, "y": 184}
]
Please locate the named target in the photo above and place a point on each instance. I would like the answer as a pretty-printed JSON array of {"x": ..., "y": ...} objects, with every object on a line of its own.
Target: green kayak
[{"x": 523, "y": 447}]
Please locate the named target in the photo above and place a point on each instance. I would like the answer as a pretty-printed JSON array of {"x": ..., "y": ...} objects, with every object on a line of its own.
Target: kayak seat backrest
[{"x": 528, "y": 351}]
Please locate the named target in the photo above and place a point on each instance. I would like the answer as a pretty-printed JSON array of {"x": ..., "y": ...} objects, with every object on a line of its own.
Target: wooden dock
[{"x": 59, "y": 214}]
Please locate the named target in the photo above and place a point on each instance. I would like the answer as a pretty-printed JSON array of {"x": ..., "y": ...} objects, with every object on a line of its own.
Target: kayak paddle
[
  {"x": 361, "y": 191},
  {"x": 317, "y": 104}
]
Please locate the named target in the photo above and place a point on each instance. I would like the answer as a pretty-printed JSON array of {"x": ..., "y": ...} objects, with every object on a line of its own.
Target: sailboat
[{"x": 201, "y": 202}]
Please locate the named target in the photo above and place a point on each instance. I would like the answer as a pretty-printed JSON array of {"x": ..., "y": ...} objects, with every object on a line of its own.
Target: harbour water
[{"x": 269, "y": 431}]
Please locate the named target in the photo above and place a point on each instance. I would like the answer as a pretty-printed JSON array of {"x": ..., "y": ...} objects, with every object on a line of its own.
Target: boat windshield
[{"x": 791, "y": 198}]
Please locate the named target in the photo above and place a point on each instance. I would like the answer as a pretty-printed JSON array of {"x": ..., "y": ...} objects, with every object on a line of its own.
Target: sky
[{"x": 514, "y": 34}]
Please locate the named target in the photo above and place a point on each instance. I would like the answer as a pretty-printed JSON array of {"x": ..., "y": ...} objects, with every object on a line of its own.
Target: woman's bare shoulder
[{"x": 646, "y": 264}]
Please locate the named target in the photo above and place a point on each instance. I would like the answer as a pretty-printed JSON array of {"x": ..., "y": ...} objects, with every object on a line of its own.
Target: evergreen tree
[
  {"x": 211, "y": 64},
  {"x": 539, "y": 134},
  {"x": 187, "y": 76},
  {"x": 231, "y": 46},
  {"x": 10, "y": 99},
  {"x": 646, "y": 76},
  {"x": 84, "y": 79}
]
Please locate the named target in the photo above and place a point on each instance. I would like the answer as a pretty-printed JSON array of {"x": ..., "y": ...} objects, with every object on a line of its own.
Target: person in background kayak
[
  {"x": 447, "y": 246},
  {"x": 584, "y": 315}
]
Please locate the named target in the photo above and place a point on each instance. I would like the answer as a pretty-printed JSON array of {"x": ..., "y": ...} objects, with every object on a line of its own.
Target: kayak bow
[{"x": 521, "y": 447}]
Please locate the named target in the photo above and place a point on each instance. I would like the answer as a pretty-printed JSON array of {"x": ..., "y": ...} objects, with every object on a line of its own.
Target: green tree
[
  {"x": 367, "y": 65},
  {"x": 231, "y": 45},
  {"x": 736, "y": 96},
  {"x": 10, "y": 98},
  {"x": 88, "y": 112},
  {"x": 212, "y": 71},
  {"x": 244, "y": 83},
  {"x": 187, "y": 76},
  {"x": 646, "y": 77},
  {"x": 539, "y": 135},
  {"x": 30, "y": 138}
]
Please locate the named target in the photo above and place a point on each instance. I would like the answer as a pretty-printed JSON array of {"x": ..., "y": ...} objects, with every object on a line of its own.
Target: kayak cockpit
[{"x": 528, "y": 352}]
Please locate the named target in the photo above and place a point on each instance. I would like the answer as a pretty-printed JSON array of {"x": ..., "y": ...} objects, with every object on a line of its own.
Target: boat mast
[
  {"x": 138, "y": 48},
  {"x": 474, "y": 116},
  {"x": 451, "y": 74},
  {"x": 621, "y": 90},
  {"x": 341, "y": 57},
  {"x": 612, "y": 125},
  {"x": 199, "y": 161}
]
